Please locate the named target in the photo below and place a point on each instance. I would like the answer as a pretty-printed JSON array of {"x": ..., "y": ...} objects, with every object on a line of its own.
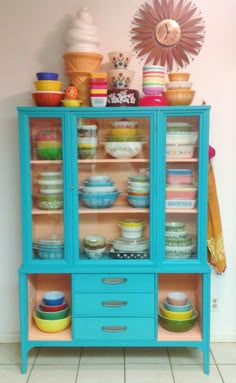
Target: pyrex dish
[
  {"x": 44, "y": 307},
  {"x": 53, "y": 298},
  {"x": 47, "y": 76},
  {"x": 129, "y": 255},
  {"x": 47, "y": 98},
  {"x": 52, "y": 325},
  {"x": 94, "y": 241},
  {"x": 178, "y": 127},
  {"x": 52, "y": 315},
  {"x": 49, "y": 202},
  {"x": 176, "y": 314},
  {"x": 179, "y": 252},
  {"x": 179, "y": 151},
  {"x": 99, "y": 200},
  {"x": 131, "y": 222},
  {"x": 50, "y": 183},
  {"x": 98, "y": 189},
  {"x": 181, "y": 138},
  {"x": 98, "y": 178},
  {"x": 179, "y": 241},
  {"x": 133, "y": 132},
  {"x": 181, "y": 308},
  {"x": 48, "y": 144},
  {"x": 48, "y": 175},
  {"x": 178, "y": 298},
  {"x": 120, "y": 59},
  {"x": 124, "y": 124},
  {"x": 53, "y": 85},
  {"x": 138, "y": 201},
  {"x": 123, "y": 149},
  {"x": 49, "y": 248},
  {"x": 49, "y": 153},
  {"x": 178, "y": 76},
  {"x": 139, "y": 178},
  {"x": 123, "y": 138},
  {"x": 180, "y": 203},
  {"x": 123, "y": 244},
  {"x": 87, "y": 131},
  {"x": 174, "y": 226},
  {"x": 178, "y": 325},
  {"x": 131, "y": 232},
  {"x": 94, "y": 253}
]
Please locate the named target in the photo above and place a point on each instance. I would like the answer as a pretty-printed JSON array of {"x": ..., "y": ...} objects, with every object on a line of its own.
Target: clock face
[{"x": 168, "y": 32}]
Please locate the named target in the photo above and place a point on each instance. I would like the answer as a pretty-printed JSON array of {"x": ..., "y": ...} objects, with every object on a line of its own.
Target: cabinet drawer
[
  {"x": 114, "y": 304},
  {"x": 114, "y": 329},
  {"x": 113, "y": 282}
]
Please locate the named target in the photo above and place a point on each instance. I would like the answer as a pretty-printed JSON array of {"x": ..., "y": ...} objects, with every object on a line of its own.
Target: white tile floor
[{"x": 118, "y": 365}]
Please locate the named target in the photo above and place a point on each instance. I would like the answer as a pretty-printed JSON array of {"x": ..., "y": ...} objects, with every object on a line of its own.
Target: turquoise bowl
[
  {"x": 186, "y": 307},
  {"x": 177, "y": 325}
]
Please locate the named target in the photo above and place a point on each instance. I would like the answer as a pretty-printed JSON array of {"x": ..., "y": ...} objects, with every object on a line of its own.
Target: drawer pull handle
[
  {"x": 114, "y": 328},
  {"x": 114, "y": 303},
  {"x": 114, "y": 281}
]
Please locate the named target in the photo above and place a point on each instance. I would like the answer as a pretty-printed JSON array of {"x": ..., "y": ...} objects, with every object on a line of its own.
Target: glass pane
[
  {"x": 181, "y": 187},
  {"x": 47, "y": 188},
  {"x": 113, "y": 173}
]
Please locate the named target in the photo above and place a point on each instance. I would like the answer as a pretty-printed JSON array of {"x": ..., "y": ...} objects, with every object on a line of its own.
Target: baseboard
[
  {"x": 221, "y": 338},
  {"x": 9, "y": 337}
]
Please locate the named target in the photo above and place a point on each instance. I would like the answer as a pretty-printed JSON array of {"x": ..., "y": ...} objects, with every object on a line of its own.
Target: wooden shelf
[{"x": 36, "y": 334}]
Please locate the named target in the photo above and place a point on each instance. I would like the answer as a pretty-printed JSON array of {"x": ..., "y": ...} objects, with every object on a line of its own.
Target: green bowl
[
  {"x": 52, "y": 315},
  {"x": 49, "y": 153},
  {"x": 49, "y": 201},
  {"x": 177, "y": 325},
  {"x": 123, "y": 138},
  {"x": 181, "y": 241}
]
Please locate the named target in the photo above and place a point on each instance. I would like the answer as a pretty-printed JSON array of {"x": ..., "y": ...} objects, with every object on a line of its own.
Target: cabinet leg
[{"x": 206, "y": 361}]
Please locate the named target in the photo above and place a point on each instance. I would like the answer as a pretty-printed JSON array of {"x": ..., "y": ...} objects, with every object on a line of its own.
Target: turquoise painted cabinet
[{"x": 156, "y": 157}]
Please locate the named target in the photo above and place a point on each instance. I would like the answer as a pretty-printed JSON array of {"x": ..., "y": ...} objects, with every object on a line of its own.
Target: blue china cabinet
[{"x": 114, "y": 300}]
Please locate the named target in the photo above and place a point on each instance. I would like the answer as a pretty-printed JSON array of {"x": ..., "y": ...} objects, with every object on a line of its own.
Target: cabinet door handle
[
  {"x": 114, "y": 304},
  {"x": 114, "y": 328},
  {"x": 114, "y": 281}
]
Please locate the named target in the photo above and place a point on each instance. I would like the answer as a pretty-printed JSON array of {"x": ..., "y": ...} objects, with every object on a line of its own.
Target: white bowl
[
  {"x": 122, "y": 244},
  {"x": 98, "y": 178},
  {"x": 51, "y": 191},
  {"x": 178, "y": 85},
  {"x": 123, "y": 149},
  {"x": 96, "y": 253},
  {"x": 181, "y": 138},
  {"x": 131, "y": 232},
  {"x": 124, "y": 124}
]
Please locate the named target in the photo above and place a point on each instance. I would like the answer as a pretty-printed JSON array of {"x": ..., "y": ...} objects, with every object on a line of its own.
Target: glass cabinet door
[
  {"x": 114, "y": 189},
  {"x": 184, "y": 197},
  {"x": 46, "y": 174}
]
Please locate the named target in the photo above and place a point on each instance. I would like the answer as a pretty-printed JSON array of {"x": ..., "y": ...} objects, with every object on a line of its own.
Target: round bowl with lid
[
  {"x": 174, "y": 226},
  {"x": 94, "y": 241},
  {"x": 131, "y": 222},
  {"x": 131, "y": 232}
]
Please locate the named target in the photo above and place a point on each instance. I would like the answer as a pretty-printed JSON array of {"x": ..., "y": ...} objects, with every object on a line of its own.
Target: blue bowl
[
  {"x": 53, "y": 298},
  {"x": 182, "y": 308},
  {"x": 138, "y": 201},
  {"x": 99, "y": 201},
  {"x": 97, "y": 183},
  {"x": 47, "y": 76},
  {"x": 51, "y": 253}
]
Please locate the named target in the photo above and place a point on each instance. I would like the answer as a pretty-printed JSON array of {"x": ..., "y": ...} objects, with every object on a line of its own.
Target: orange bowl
[
  {"x": 178, "y": 76},
  {"x": 179, "y": 96},
  {"x": 47, "y": 98},
  {"x": 138, "y": 194}
]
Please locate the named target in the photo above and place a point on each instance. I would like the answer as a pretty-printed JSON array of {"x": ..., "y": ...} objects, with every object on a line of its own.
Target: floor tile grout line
[{"x": 171, "y": 368}]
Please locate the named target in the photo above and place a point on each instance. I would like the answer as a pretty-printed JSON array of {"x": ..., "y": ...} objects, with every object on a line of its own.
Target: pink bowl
[
  {"x": 179, "y": 194},
  {"x": 179, "y": 179}
]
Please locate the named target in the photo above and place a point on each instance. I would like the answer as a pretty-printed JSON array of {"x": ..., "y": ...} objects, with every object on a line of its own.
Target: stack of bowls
[
  {"x": 53, "y": 312},
  {"x": 177, "y": 313},
  {"x": 49, "y": 248},
  {"x": 98, "y": 192},
  {"x": 123, "y": 139},
  {"x": 153, "y": 79},
  {"x": 48, "y": 145},
  {"x": 120, "y": 77},
  {"x": 180, "y": 189},
  {"x": 178, "y": 89},
  {"x": 180, "y": 140},
  {"x": 48, "y": 89},
  {"x": 179, "y": 244},
  {"x": 50, "y": 196},
  {"x": 87, "y": 141},
  {"x": 94, "y": 246},
  {"x": 98, "y": 89},
  {"x": 128, "y": 248},
  {"x": 138, "y": 190}
]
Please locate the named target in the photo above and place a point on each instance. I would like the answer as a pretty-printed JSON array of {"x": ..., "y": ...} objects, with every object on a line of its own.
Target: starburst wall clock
[{"x": 168, "y": 33}]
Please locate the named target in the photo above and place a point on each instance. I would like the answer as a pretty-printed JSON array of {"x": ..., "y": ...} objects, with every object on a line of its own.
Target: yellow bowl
[
  {"x": 178, "y": 315},
  {"x": 71, "y": 103},
  {"x": 128, "y": 132},
  {"x": 46, "y": 85},
  {"x": 179, "y": 96},
  {"x": 131, "y": 222},
  {"x": 48, "y": 144},
  {"x": 178, "y": 76},
  {"x": 48, "y": 325}
]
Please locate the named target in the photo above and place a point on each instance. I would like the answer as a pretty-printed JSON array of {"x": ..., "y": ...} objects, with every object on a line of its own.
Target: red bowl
[
  {"x": 48, "y": 137},
  {"x": 47, "y": 98},
  {"x": 47, "y": 308}
]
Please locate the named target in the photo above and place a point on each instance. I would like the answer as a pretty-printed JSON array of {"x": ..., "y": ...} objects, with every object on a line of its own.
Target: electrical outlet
[{"x": 214, "y": 304}]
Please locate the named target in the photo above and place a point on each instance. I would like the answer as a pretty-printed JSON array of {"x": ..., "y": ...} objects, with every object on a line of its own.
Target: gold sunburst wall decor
[{"x": 168, "y": 32}]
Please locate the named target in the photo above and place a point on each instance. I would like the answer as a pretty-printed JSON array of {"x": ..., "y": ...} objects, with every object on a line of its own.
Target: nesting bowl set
[
  {"x": 119, "y": 76},
  {"x": 181, "y": 139},
  {"x": 176, "y": 312},
  {"x": 178, "y": 89},
  {"x": 53, "y": 312},
  {"x": 48, "y": 145},
  {"x": 123, "y": 139},
  {"x": 98, "y": 192},
  {"x": 87, "y": 141},
  {"x": 49, "y": 248},
  {"x": 153, "y": 80},
  {"x": 47, "y": 89},
  {"x": 50, "y": 186},
  {"x": 178, "y": 243},
  {"x": 98, "y": 89},
  {"x": 138, "y": 190}
]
